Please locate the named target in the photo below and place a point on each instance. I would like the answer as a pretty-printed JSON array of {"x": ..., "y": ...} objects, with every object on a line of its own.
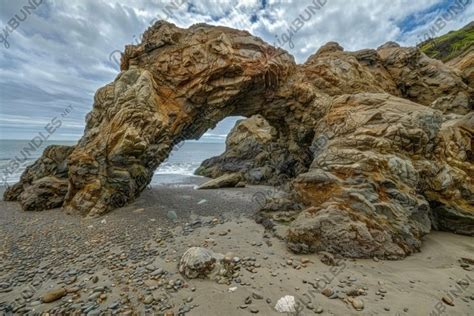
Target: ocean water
[{"x": 179, "y": 166}]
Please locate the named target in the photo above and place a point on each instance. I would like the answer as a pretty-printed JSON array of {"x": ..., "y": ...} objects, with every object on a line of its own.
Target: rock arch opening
[{"x": 187, "y": 156}]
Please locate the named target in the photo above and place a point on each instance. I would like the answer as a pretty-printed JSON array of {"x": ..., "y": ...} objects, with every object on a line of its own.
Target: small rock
[
  {"x": 286, "y": 304},
  {"x": 148, "y": 299},
  {"x": 357, "y": 303},
  {"x": 53, "y": 295},
  {"x": 327, "y": 258},
  {"x": 328, "y": 292},
  {"x": 172, "y": 215},
  {"x": 447, "y": 300}
]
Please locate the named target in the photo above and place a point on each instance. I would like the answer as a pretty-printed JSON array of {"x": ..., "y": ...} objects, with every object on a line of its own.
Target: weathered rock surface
[
  {"x": 254, "y": 149},
  {"x": 362, "y": 186},
  {"x": 427, "y": 81},
  {"x": 376, "y": 143},
  {"x": 44, "y": 184},
  {"x": 465, "y": 64},
  {"x": 449, "y": 183}
]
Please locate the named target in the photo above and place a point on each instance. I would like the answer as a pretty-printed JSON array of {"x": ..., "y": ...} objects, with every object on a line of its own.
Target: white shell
[{"x": 286, "y": 304}]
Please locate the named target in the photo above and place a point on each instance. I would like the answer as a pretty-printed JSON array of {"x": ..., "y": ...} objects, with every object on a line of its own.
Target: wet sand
[{"x": 126, "y": 263}]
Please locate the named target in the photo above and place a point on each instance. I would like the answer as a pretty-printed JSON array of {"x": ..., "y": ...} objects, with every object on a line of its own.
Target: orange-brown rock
[
  {"x": 377, "y": 143},
  {"x": 465, "y": 64}
]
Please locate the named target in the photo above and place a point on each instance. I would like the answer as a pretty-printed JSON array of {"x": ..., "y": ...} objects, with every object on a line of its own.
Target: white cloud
[{"x": 60, "y": 54}]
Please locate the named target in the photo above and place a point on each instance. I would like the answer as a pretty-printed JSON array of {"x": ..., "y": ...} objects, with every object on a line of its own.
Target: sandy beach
[{"x": 126, "y": 263}]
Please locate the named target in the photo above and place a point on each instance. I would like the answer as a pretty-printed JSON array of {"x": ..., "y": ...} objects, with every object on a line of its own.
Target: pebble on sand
[
  {"x": 53, "y": 295},
  {"x": 447, "y": 300},
  {"x": 358, "y": 304}
]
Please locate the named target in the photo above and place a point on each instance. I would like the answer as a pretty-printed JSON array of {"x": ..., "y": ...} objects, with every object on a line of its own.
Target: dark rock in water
[{"x": 375, "y": 144}]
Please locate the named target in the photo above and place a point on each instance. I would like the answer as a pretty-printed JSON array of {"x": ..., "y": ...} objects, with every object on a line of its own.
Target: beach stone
[
  {"x": 447, "y": 300},
  {"x": 286, "y": 304},
  {"x": 224, "y": 181},
  {"x": 172, "y": 215},
  {"x": 53, "y": 295},
  {"x": 357, "y": 303},
  {"x": 148, "y": 299},
  {"x": 327, "y": 258},
  {"x": 328, "y": 292},
  {"x": 199, "y": 262}
]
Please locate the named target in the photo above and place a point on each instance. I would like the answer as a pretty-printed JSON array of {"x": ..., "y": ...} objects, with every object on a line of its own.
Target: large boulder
[{"x": 384, "y": 162}]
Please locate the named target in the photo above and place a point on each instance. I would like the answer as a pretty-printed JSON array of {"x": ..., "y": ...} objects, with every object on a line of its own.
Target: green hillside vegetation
[{"x": 450, "y": 45}]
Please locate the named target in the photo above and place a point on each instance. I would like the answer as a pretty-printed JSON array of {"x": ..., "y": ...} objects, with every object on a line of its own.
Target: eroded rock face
[
  {"x": 375, "y": 143},
  {"x": 465, "y": 64},
  {"x": 449, "y": 182},
  {"x": 427, "y": 81},
  {"x": 255, "y": 149},
  {"x": 362, "y": 185},
  {"x": 44, "y": 184}
]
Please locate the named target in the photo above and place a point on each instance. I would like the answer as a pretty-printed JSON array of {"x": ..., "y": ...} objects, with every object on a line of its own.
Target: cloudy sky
[{"x": 66, "y": 49}]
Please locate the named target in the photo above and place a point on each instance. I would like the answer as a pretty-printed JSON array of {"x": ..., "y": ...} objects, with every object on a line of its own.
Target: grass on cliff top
[{"x": 450, "y": 45}]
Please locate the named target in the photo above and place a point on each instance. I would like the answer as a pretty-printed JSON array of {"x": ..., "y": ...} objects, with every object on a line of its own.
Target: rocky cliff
[
  {"x": 456, "y": 49},
  {"x": 376, "y": 144}
]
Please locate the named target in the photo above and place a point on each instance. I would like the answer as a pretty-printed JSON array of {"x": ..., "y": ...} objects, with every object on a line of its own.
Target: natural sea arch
[
  {"x": 374, "y": 129},
  {"x": 173, "y": 87}
]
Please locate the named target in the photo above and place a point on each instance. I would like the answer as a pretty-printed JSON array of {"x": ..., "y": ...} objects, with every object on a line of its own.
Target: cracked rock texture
[{"x": 375, "y": 145}]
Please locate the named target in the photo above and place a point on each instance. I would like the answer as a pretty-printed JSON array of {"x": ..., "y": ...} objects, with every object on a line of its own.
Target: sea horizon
[{"x": 180, "y": 165}]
